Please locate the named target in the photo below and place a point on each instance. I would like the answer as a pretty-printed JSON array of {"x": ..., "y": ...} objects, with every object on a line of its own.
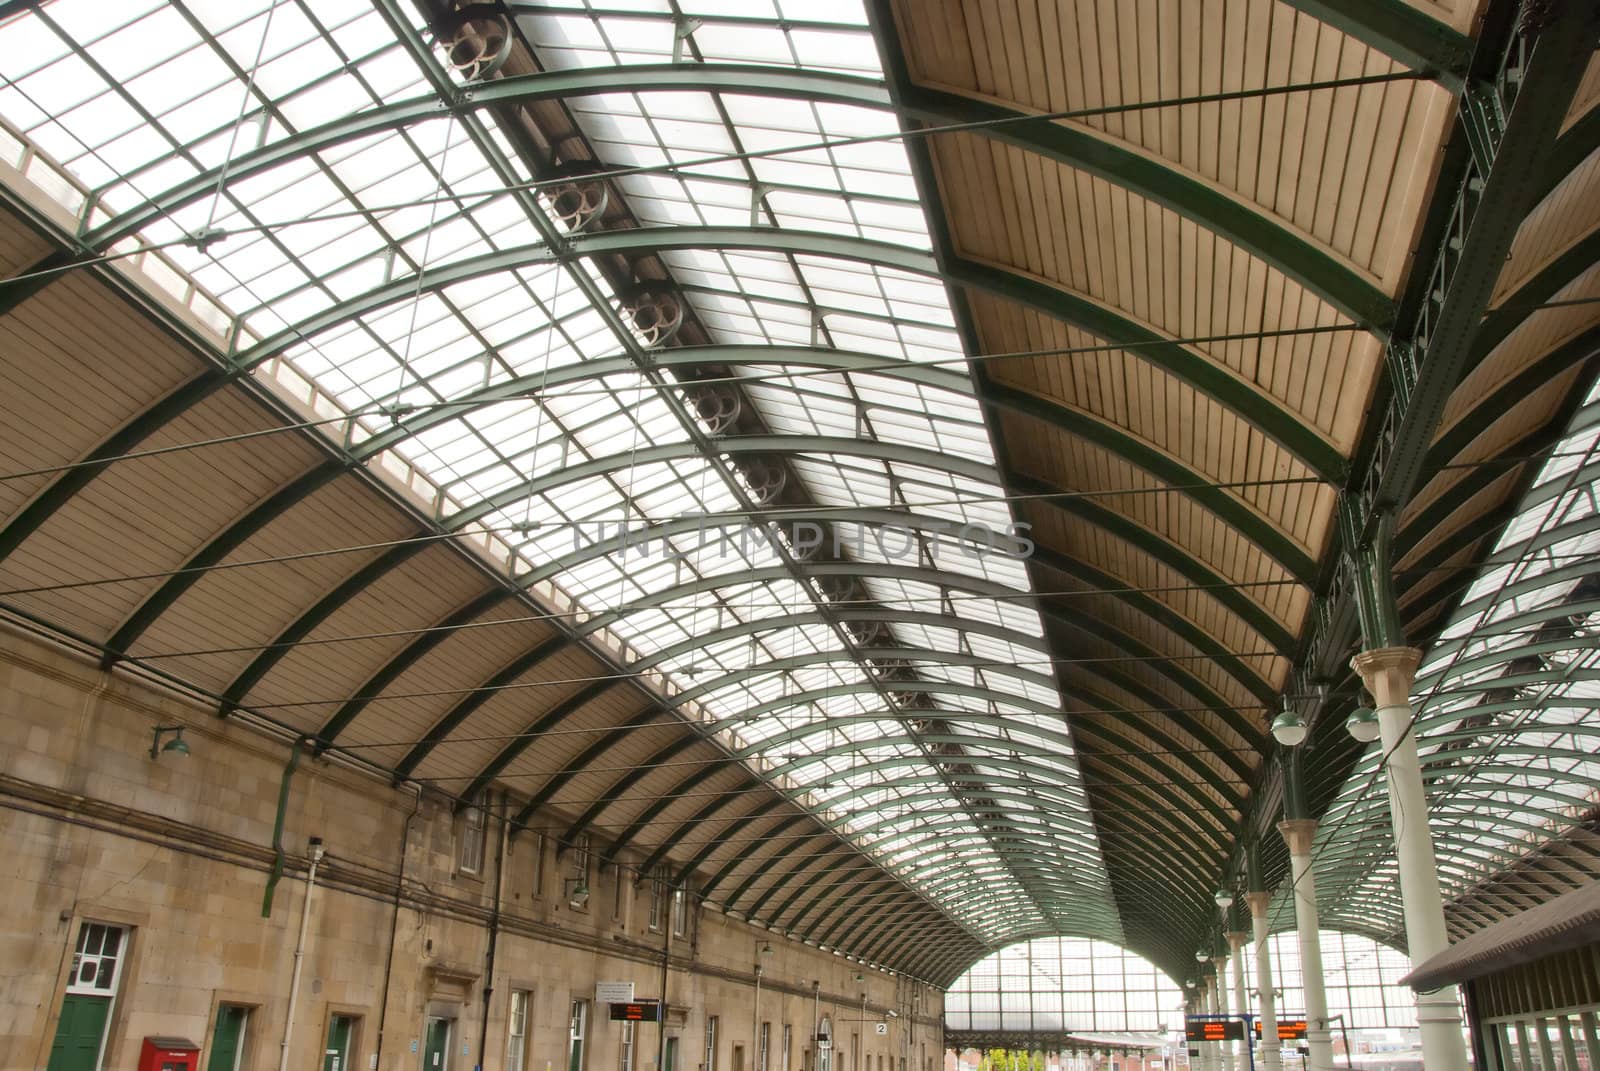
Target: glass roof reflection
[{"x": 480, "y": 390}]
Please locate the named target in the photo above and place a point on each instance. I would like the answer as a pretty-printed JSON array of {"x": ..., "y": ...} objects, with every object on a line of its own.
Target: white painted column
[
  {"x": 1389, "y": 674},
  {"x": 1212, "y": 1049},
  {"x": 1221, "y": 963},
  {"x": 1236, "y": 942},
  {"x": 1266, "y": 1003},
  {"x": 1298, "y": 833}
]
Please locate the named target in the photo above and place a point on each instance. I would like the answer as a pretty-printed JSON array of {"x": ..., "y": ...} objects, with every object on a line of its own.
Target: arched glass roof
[
  {"x": 849, "y": 457},
  {"x": 368, "y": 235}
]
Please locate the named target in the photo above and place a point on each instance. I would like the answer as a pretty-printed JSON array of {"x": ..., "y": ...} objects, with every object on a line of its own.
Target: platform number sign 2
[{"x": 880, "y": 1029}]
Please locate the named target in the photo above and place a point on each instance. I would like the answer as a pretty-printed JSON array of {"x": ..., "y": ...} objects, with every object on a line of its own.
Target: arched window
[{"x": 1063, "y": 983}]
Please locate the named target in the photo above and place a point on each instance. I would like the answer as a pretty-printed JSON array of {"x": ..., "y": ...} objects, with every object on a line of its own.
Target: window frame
[
  {"x": 517, "y": 1029},
  {"x": 471, "y": 837}
]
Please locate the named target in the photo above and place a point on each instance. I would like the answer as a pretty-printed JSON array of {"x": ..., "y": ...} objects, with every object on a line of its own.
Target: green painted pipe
[{"x": 277, "y": 829}]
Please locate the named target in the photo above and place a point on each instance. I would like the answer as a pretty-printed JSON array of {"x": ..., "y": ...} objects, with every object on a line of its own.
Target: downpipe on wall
[{"x": 299, "y": 951}]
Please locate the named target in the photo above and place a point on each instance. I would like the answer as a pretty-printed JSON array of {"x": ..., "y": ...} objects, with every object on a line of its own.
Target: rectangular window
[
  {"x": 517, "y": 1031},
  {"x": 97, "y": 962},
  {"x": 619, "y": 898},
  {"x": 625, "y": 1063},
  {"x": 763, "y": 1041},
  {"x": 788, "y": 1041},
  {"x": 538, "y": 866},
  {"x": 577, "y": 1026},
  {"x": 577, "y": 886},
  {"x": 658, "y": 895},
  {"x": 680, "y": 915},
  {"x": 711, "y": 1042},
  {"x": 470, "y": 835}
]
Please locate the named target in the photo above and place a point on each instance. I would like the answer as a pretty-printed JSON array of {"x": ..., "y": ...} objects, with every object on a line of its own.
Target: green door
[
  {"x": 228, "y": 1038},
  {"x": 336, "y": 1056},
  {"x": 78, "y": 1034},
  {"x": 670, "y": 1061},
  {"x": 436, "y": 1051}
]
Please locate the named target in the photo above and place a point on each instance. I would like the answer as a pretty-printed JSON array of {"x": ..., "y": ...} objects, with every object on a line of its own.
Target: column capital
[
  {"x": 1388, "y": 673},
  {"x": 1260, "y": 903},
  {"x": 1221, "y": 963},
  {"x": 1237, "y": 939},
  {"x": 1298, "y": 834}
]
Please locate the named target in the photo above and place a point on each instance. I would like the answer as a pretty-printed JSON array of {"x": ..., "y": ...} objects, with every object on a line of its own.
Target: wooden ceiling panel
[
  {"x": 395, "y": 610},
  {"x": 1088, "y": 237},
  {"x": 75, "y": 333},
  {"x": 1570, "y": 212},
  {"x": 1196, "y": 607},
  {"x": 501, "y": 720},
  {"x": 1588, "y": 94},
  {"x": 1494, "y": 494},
  {"x": 1084, "y": 542},
  {"x": 1528, "y": 345},
  {"x": 1157, "y": 408},
  {"x": 147, "y": 515},
  {"x": 447, "y": 675},
  {"x": 632, "y": 754},
  {"x": 685, "y": 806},
  {"x": 1155, "y": 636},
  {"x": 21, "y": 247},
  {"x": 1534, "y": 411},
  {"x": 248, "y": 606},
  {"x": 1347, "y": 169},
  {"x": 1071, "y": 463},
  {"x": 551, "y": 753}
]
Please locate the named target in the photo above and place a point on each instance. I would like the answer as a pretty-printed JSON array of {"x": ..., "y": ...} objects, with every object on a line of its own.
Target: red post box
[{"x": 169, "y": 1054}]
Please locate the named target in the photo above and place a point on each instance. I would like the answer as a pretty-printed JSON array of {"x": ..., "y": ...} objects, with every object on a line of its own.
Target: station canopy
[{"x": 877, "y": 467}]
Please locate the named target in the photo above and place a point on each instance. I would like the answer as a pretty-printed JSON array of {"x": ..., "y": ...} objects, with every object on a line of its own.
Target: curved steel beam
[
  {"x": 1097, "y": 630},
  {"x": 392, "y": 558},
  {"x": 432, "y": 636},
  {"x": 542, "y": 724},
  {"x": 1163, "y": 550},
  {"x": 1102, "y": 709},
  {"x": 743, "y": 855},
  {"x": 611, "y": 792},
  {"x": 1187, "y": 802},
  {"x": 785, "y": 445},
  {"x": 1159, "y": 612},
  {"x": 1228, "y": 215},
  {"x": 404, "y": 659},
  {"x": 54, "y": 495},
  {"x": 995, "y": 721},
  {"x": 524, "y": 663},
  {"x": 1340, "y": 284},
  {"x": 1401, "y": 31},
  {"x": 558, "y": 85},
  {"x": 1189, "y": 365},
  {"x": 723, "y": 799},
  {"x": 1182, "y": 361},
  {"x": 707, "y": 850},
  {"x": 976, "y": 626}
]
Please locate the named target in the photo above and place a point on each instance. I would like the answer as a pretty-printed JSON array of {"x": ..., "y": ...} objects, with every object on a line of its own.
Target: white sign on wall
[
  {"x": 880, "y": 1029},
  {"x": 613, "y": 992}
]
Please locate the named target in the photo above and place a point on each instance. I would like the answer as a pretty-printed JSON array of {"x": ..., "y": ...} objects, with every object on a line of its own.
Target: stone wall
[{"x": 179, "y": 850}]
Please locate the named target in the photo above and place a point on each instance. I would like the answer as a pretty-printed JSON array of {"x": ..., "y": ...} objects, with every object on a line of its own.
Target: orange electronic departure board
[
  {"x": 637, "y": 1011},
  {"x": 1288, "y": 1029},
  {"x": 1214, "y": 1029}
]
